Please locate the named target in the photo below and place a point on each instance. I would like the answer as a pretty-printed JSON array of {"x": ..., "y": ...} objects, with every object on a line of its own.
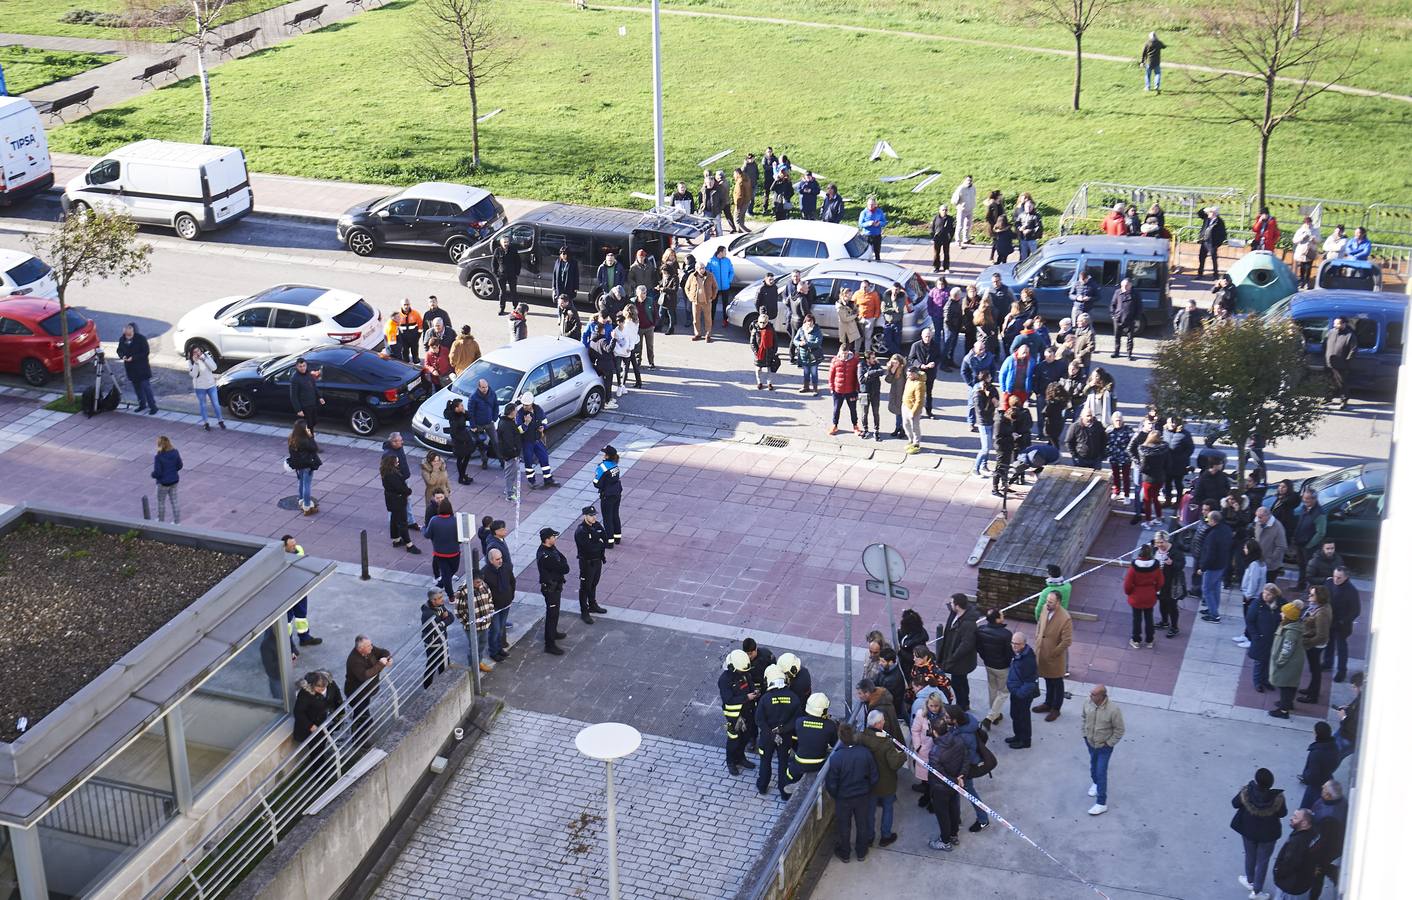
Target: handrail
[{"x": 770, "y": 868}]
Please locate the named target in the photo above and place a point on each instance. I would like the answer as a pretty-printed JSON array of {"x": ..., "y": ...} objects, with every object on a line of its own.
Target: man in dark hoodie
[
  {"x": 1259, "y": 807},
  {"x": 957, "y": 652},
  {"x": 993, "y": 647},
  {"x": 304, "y": 394},
  {"x": 1319, "y": 764}
]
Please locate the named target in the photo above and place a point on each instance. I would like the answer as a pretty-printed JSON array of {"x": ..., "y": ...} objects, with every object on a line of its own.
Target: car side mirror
[
  {"x": 381, "y": 214},
  {"x": 231, "y": 322},
  {"x": 1339, "y": 514}
]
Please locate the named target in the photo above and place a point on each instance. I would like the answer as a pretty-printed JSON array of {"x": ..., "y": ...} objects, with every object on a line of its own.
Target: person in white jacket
[
  {"x": 964, "y": 199},
  {"x": 625, "y": 339},
  {"x": 202, "y": 369},
  {"x": 1334, "y": 243},
  {"x": 1306, "y": 243}
]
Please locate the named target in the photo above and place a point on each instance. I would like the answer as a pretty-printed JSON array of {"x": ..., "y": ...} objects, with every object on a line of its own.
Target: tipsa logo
[{"x": 22, "y": 142}]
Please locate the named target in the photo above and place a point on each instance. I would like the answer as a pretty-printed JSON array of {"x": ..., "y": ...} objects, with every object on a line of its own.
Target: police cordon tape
[{"x": 977, "y": 802}]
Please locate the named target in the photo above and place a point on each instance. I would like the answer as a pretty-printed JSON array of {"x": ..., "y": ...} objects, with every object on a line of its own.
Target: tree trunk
[
  {"x": 475, "y": 113},
  {"x": 205, "y": 87},
  {"x": 1267, "y": 127},
  {"x": 1240, "y": 461},
  {"x": 64, "y": 337},
  {"x": 1078, "y": 67}
]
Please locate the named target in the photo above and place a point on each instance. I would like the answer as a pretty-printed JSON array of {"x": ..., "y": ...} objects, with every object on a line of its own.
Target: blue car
[
  {"x": 1344, "y": 274},
  {"x": 1378, "y": 320}
]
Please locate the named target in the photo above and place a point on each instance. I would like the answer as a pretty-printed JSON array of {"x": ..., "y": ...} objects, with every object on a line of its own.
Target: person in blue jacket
[
  {"x": 1022, "y": 681},
  {"x": 133, "y": 350},
  {"x": 530, "y": 422},
  {"x": 1358, "y": 246},
  {"x": 611, "y": 274},
  {"x": 165, "y": 466},
  {"x": 445, "y": 548},
  {"x": 808, "y": 191},
  {"x": 1017, "y": 375},
  {"x": 972, "y": 364},
  {"x": 723, "y": 270},
  {"x": 871, "y": 221},
  {"x": 607, "y": 478},
  {"x": 1212, "y": 563},
  {"x": 850, "y": 778},
  {"x": 481, "y": 410}
]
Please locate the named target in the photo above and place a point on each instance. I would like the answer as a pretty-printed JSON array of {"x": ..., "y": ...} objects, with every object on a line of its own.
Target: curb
[{"x": 284, "y": 214}]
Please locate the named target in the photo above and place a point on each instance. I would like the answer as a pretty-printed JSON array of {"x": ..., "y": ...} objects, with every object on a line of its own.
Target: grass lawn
[
  {"x": 43, "y": 17},
  {"x": 341, "y": 103},
  {"x": 27, "y": 68}
]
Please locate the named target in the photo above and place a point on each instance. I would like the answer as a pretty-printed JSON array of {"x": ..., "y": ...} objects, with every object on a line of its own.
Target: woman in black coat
[
  {"x": 1259, "y": 810},
  {"x": 394, "y": 496},
  {"x": 1173, "y": 562},
  {"x": 1004, "y": 239},
  {"x": 463, "y": 440},
  {"x": 910, "y": 633}
]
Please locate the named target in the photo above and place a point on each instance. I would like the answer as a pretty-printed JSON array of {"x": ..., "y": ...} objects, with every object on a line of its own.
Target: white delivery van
[
  {"x": 25, "y": 168},
  {"x": 189, "y": 187}
]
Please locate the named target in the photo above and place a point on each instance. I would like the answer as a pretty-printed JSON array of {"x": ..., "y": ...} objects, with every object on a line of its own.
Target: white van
[
  {"x": 189, "y": 187},
  {"x": 25, "y": 168}
]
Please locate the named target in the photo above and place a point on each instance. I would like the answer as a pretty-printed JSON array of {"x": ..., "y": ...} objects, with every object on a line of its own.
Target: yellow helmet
[
  {"x": 817, "y": 704},
  {"x": 738, "y": 660},
  {"x": 789, "y": 663},
  {"x": 774, "y": 676}
]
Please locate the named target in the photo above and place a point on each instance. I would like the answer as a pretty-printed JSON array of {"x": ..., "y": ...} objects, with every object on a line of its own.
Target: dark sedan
[
  {"x": 358, "y": 386},
  {"x": 435, "y": 216},
  {"x": 1352, "y": 499}
]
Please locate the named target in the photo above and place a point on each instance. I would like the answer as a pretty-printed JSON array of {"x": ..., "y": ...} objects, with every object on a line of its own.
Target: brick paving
[{"x": 522, "y": 818}]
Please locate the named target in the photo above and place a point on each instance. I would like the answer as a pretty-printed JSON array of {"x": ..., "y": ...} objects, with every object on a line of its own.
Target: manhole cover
[
  {"x": 291, "y": 502},
  {"x": 772, "y": 440}
]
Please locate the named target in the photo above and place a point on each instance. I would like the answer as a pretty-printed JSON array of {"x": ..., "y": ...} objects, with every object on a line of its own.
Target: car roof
[
  {"x": 1341, "y": 299},
  {"x": 586, "y": 218},
  {"x": 1374, "y": 475},
  {"x": 806, "y": 228},
  {"x": 531, "y": 352},
  {"x": 306, "y": 296},
  {"x": 875, "y": 272},
  {"x": 1347, "y": 262},
  {"x": 463, "y": 195},
  {"x": 29, "y": 306},
  {"x": 11, "y": 258},
  {"x": 344, "y": 355},
  {"x": 172, "y": 152},
  {"x": 1107, "y": 245}
]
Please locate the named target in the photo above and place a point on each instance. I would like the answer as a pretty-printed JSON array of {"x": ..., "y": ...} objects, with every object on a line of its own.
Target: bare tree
[
  {"x": 458, "y": 45},
  {"x": 195, "y": 23},
  {"x": 1282, "y": 54},
  {"x": 1076, "y": 17}
]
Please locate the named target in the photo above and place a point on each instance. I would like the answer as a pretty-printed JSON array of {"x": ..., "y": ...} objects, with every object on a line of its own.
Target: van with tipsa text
[
  {"x": 25, "y": 168},
  {"x": 188, "y": 187}
]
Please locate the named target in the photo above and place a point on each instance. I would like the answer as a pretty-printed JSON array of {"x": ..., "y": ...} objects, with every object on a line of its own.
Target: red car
[{"x": 30, "y": 340}]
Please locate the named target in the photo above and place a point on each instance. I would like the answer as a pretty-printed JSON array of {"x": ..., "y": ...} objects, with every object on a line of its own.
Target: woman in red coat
[
  {"x": 1141, "y": 584},
  {"x": 843, "y": 383},
  {"x": 1266, "y": 232}
]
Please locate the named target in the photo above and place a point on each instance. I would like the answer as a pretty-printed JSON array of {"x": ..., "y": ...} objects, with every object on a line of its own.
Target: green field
[
  {"x": 44, "y": 17},
  {"x": 342, "y": 104},
  {"x": 27, "y": 68}
]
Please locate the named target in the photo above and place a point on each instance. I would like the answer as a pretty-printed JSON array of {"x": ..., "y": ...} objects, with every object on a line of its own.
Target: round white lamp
[{"x": 608, "y": 741}]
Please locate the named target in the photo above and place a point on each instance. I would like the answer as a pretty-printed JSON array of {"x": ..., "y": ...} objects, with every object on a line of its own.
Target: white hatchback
[
  {"x": 22, "y": 275},
  {"x": 783, "y": 246},
  {"x": 287, "y": 318}
]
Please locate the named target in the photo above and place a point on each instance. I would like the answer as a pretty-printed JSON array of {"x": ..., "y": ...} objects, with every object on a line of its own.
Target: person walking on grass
[
  {"x": 165, "y": 466},
  {"x": 763, "y": 348},
  {"x": 843, "y": 384},
  {"x": 1152, "y": 63},
  {"x": 808, "y": 343},
  {"x": 1102, "y": 730},
  {"x": 202, "y": 369},
  {"x": 304, "y": 461}
]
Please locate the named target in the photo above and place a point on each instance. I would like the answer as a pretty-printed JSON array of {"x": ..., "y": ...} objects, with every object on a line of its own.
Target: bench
[
  {"x": 312, "y": 15},
  {"x": 55, "y": 108},
  {"x": 168, "y": 66},
  {"x": 227, "y": 46},
  {"x": 364, "y": 4}
]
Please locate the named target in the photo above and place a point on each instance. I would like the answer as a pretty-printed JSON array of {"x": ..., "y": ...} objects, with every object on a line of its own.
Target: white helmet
[
  {"x": 817, "y": 704},
  {"x": 789, "y": 663},
  {"x": 527, "y": 398},
  {"x": 774, "y": 677},
  {"x": 738, "y": 660}
]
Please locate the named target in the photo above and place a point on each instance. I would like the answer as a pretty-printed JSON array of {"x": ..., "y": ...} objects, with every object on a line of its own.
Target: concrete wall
[
  {"x": 781, "y": 877},
  {"x": 316, "y": 857}
]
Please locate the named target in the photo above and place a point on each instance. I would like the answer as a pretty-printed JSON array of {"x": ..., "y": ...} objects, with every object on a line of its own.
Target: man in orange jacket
[{"x": 404, "y": 333}]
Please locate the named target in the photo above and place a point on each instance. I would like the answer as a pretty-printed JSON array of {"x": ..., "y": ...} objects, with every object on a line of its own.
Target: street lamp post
[
  {"x": 608, "y": 741},
  {"x": 659, "y": 161}
]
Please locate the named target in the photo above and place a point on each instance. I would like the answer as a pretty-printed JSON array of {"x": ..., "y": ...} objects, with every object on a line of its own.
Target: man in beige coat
[
  {"x": 1103, "y": 729},
  {"x": 1053, "y": 635},
  {"x": 701, "y": 291}
]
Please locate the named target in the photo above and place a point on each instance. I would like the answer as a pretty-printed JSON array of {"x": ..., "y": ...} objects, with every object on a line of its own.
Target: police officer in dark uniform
[
  {"x": 553, "y": 569},
  {"x": 814, "y": 735},
  {"x": 592, "y": 543},
  {"x": 607, "y": 478},
  {"x": 774, "y": 717},
  {"x": 800, "y": 681},
  {"x": 736, "y": 697}
]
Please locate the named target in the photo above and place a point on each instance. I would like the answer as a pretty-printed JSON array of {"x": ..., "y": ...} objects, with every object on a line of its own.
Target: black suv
[{"x": 436, "y": 215}]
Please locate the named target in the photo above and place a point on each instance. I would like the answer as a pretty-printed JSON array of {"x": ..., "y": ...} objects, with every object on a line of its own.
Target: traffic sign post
[
  {"x": 848, "y": 608},
  {"x": 885, "y": 564}
]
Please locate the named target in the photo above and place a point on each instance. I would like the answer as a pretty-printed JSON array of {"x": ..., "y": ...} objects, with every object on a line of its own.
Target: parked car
[
  {"x": 588, "y": 232},
  {"x": 1054, "y": 268},
  {"x": 1353, "y": 500},
  {"x": 287, "y": 318},
  {"x": 31, "y": 338},
  {"x": 557, "y": 370},
  {"x": 1378, "y": 321},
  {"x": 435, "y": 215},
  {"x": 830, "y": 277},
  {"x": 781, "y": 247},
  {"x": 1350, "y": 275},
  {"x": 362, "y": 387},
  {"x": 25, "y": 166},
  {"x": 188, "y": 187},
  {"x": 23, "y": 275}
]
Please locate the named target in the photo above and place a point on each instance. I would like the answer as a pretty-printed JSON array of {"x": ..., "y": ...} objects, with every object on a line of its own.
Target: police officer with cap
[
  {"x": 553, "y": 569},
  {"x": 814, "y": 735},
  {"x": 592, "y": 543},
  {"x": 736, "y": 695},
  {"x": 774, "y": 717},
  {"x": 800, "y": 681},
  {"x": 607, "y": 478}
]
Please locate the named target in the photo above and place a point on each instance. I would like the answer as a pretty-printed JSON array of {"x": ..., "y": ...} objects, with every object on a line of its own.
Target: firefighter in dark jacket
[
  {"x": 760, "y": 659},
  {"x": 736, "y": 698},
  {"x": 774, "y": 716},
  {"x": 436, "y": 618},
  {"x": 531, "y": 423},
  {"x": 813, "y": 734},
  {"x": 591, "y": 541},
  {"x": 607, "y": 479},
  {"x": 304, "y": 396},
  {"x": 553, "y": 569},
  {"x": 800, "y": 681}
]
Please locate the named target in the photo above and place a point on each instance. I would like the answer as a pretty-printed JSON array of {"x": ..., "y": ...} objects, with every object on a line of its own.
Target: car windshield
[
  {"x": 1330, "y": 495},
  {"x": 28, "y": 272},
  {"x": 1336, "y": 275},
  {"x": 857, "y": 246},
  {"x": 354, "y": 316},
  {"x": 502, "y": 380},
  {"x": 1279, "y": 310},
  {"x": 233, "y": 307},
  {"x": 50, "y": 324},
  {"x": 736, "y": 243},
  {"x": 1025, "y": 270},
  {"x": 275, "y": 362},
  {"x": 484, "y": 211}
]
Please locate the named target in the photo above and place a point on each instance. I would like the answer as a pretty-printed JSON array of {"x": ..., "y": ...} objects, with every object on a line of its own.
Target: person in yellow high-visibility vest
[{"x": 298, "y": 614}]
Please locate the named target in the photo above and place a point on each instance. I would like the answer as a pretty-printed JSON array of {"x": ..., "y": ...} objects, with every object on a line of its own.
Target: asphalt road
[{"x": 710, "y": 385}]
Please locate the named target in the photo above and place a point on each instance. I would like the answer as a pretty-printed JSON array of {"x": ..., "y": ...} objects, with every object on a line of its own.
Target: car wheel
[
  {"x": 749, "y": 323},
  {"x": 361, "y": 242},
  {"x": 79, "y": 208},
  {"x": 482, "y": 285},
  {"x": 592, "y": 403},
  {"x": 1141, "y": 324},
  {"x": 186, "y": 227},
  {"x": 363, "y": 421},
  {"x": 205, "y": 347},
  {"x": 456, "y": 247},
  {"x": 241, "y": 404},
  {"x": 34, "y": 372},
  {"x": 878, "y": 345}
]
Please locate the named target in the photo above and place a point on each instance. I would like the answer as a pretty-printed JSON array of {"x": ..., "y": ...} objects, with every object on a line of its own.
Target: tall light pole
[
  {"x": 608, "y": 741},
  {"x": 659, "y": 163}
]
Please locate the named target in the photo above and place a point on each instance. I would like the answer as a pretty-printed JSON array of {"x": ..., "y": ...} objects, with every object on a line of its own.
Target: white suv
[
  {"x": 22, "y": 275},
  {"x": 287, "y": 318}
]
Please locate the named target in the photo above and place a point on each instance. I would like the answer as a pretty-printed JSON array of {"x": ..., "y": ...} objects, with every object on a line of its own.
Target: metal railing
[
  {"x": 112, "y": 811},
  {"x": 237, "y": 842},
  {"x": 770, "y": 876}
]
